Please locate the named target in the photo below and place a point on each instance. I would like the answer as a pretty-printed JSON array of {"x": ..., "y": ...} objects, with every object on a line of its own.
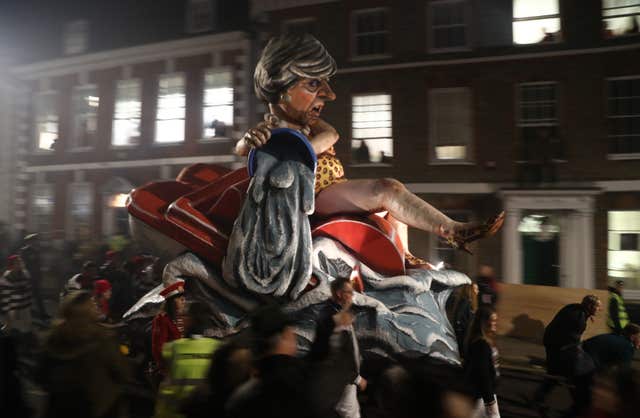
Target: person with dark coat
[
  {"x": 481, "y": 362},
  {"x": 123, "y": 293},
  {"x": 81, "y": 366},
  {"x": 461, "y": 307},
  {"x": 565, "y": 356},
  {"x": 12, "y": 401},
  {"x": 30, "y": 254},
  {"x": 335, "y": 351},
  {"x": 281, "y": 386},
  {"x": 609, "y": 350}
]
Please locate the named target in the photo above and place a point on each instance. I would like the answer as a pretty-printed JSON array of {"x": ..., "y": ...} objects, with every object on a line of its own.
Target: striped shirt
[{"x": 15, "y": 291}]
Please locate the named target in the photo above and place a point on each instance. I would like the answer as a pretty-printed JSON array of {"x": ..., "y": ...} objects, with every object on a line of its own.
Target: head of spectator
[
  {"x": 619, "y": 286},
  {"x": 196, "y": 319},
  {"x": 102, "y": 289},
  {"x": 175, "y": 302},
  {"x": 14, "y": 262},
  {"x": 342, "y": 292},
  {"x": 272, "y": 333},
  {"x": 112, "y": 257},
  {"x": 632, "y": 332},
  {"x": 484, "y": 326},
  {"x": 592, "y": 305},
  {"x": 78, "y": 307}
]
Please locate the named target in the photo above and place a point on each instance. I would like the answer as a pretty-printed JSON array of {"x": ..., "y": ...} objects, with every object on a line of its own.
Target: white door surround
[{"x": 577, "y": 249}]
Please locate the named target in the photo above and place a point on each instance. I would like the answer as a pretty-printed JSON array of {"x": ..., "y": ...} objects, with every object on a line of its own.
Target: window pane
[
  {"x": 371, "y": 129},
  {"x": 46, "y": 120},
  {"x": 535, "y": 31},
  {"x": 81, "y": 210},
  {"x": 624, "y": 116},
  {"x": 85, "y": 111},
  {"x": 450, "y": 123},
  {"x": 42, "y": 204},
  {"x": 171, "y": 110},
  {"x": 371, "y": 33},
  {"x": 532, "y": 8},
  {"x": 126, "y": 121},
  {"x": 217, "y": 111}
]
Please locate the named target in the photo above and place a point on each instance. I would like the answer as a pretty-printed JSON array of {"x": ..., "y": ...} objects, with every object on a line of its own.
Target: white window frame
[
  {"x": 376, "y": 164},
  {"x": 75, "y": 39},
  {"x": 514, "y": 20},
  {"x": 184, "y": 115},
  {"x": 75, "y": 118},
  {"x": 70, "y": 223},
  {"x": 37, "y": 120},
  {"x": 190, "y": 21},
  {"x": 618, "y": 156},
  {"x": 430, "y": 24},
  {"x": 636, "y": 16},
  {"x": 230, "y": 128},
  {"x": 541, "y": 123},
  {"x": 629, "y": 293},
  {"x": 115, "y": 114},
  {"x": 433, "y": 132},
  {"x": 354, "y": 35},
  {"x": 298, "y": 21},
  {"x": 50, "y": 187}
]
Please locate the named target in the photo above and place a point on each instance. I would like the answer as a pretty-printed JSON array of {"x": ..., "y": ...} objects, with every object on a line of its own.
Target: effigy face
[{"x": 302, "y": 104}]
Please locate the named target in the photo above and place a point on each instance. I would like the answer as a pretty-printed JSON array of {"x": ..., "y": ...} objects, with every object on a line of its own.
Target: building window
[
  {"x": 80, "y": 210},
  {"x": 76, "y": 37},
  {"x": 46, "y": 110},
  {"x": 370, "y": 33},
  {"x": 199, "y": 16},
  {"x": 126, "y": 117},
  {"x": 448, "y": 20},
  {"x": 85, "y": 102},
  {"x": 620, "y": 17},
  {"x": 623, "y": 258},
  {"x": 536, "y": 21},
  {"x": 171, "y": 109},
  {"x": 371, "y": 129},
  {"x": 299, "y": 26},
  {"x": 623, "y": 116},
  {"x": 42, "y": 205},
  {"x": 538, "y": 123},
  {"x": 450, "y": 124},
  {"x": 217, "y": 109}
]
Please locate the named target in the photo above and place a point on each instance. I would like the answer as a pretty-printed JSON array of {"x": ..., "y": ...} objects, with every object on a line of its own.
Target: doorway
[{"x": 540, "y": 240}]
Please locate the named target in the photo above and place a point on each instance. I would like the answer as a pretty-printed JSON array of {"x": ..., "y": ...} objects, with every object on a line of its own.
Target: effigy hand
[{"x": 258, "y": 136}]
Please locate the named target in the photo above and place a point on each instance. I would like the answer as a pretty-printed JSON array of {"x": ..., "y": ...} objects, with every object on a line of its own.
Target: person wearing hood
[
  {"x": 81, "y": 366},
  {"x": 617, "y": 317}
]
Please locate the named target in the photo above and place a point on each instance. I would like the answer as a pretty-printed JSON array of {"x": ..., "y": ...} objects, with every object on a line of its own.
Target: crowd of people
[{"x": 88, "y": 364}]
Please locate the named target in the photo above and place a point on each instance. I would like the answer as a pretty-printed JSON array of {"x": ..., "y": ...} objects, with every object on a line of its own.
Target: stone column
[{"x": 512, "y": 247}]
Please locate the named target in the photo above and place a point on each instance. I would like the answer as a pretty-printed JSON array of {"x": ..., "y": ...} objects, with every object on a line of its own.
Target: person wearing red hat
[
  {"x": 102, "y": 294},
  {"x": 168, "y": 325}
]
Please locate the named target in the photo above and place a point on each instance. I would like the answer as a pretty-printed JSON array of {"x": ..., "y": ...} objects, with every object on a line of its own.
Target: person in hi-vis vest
[{"x": 617, "y": 317}]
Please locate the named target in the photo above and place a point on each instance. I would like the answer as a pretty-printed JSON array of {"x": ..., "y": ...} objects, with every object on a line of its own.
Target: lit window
[
  {"x": 448, "y": 24},
  {"x": 217, "y": 109},
  {"x": 76, "y": 37},
  {"x": 126, "y": 117},
  {"x": 450, "y": 124},
  {"x": 371, "y": 129},
  {"x": 42, "y": 204},
  {"x": 624, "y": 252},
  {"x": 299, "y": 26},
  {"x": 85, "y": 117},
  {"x": 199, "y": 16},
  {"x": 46, "y": 120},
  {"x": 536, "y": 21},
  {"x": 81, "y": 209},
  {"x": 620, "y": 17},
  {"x": 370, "y": 33},
  {"x": 171, "y": 109},
  {"x": 623, "y": 115}
]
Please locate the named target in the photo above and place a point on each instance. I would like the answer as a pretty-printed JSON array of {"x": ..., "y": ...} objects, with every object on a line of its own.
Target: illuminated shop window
[
  {"x": 371, "y": 129},
  {"x": 127, "y": 113},
  {"x": 623, "y": 258},
  {"x": 536, "y": 21},
  {"x": 450, "y": 124},
  {"x": 171, "y": 109},
  {"x": 620, "y": 17},
  {"x": 217, "y": 109}
]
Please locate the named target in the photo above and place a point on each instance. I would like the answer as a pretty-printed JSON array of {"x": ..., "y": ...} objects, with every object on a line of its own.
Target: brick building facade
[{"x": 528, "y": 106}]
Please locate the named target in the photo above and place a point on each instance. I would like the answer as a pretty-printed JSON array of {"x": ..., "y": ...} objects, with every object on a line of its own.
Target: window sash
[
  {"x": 450, "y": 124},
  {"x": 371, "y": 122},
  {"x": 127, "y": 113},
  {"x": 539, "y": 106},
  {"x": 199, "y": 16},
  {"x": 46, "y": 120},
  {"x": 623, "y": 115},
  {"x": 170, "y": 118},
  {"x": 85, "y": 120},
  {"x": 374, "y": 35}
]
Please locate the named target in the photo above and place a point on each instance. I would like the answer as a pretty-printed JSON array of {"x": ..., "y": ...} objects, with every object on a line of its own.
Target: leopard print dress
[{"x": 329, "y": 170}]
